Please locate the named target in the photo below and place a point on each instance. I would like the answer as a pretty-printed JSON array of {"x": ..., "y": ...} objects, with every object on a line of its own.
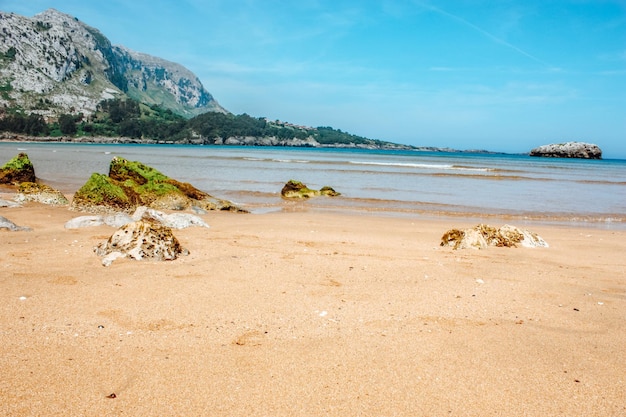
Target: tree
[{"x": 67, "y": 124}]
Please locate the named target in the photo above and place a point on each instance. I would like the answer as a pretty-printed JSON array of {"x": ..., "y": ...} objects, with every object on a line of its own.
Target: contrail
[{"x": 484, "y": 32}]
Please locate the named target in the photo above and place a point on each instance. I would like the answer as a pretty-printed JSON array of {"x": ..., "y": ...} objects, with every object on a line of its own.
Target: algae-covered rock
[
  {"x": 482, "y": 236},
  {"x": 329, "y": 191},
  {"x": 101, "y": 194},
  {"x": 296, "y": 189},
  {"x": 18, "y": 169},
  {"x": 131, "y": 184},
  {"x": 40, "y": 193}
]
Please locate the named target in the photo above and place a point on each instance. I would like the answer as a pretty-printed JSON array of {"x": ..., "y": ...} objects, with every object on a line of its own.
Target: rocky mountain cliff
[{"x": 52, "y": 63}]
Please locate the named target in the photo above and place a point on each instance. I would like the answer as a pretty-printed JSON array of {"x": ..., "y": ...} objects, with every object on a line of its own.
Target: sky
[{"x": 502, "y": 75}]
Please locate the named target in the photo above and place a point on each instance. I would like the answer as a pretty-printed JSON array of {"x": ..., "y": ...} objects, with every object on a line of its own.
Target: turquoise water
[{"x": 589, "y": 192}]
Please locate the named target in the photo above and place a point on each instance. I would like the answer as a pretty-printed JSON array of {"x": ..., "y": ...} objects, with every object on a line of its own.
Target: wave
[{"x": 422, "y": 165}]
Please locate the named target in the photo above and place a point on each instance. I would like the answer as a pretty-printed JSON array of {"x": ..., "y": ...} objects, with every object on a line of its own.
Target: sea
[{"x": 492, "y": 188}]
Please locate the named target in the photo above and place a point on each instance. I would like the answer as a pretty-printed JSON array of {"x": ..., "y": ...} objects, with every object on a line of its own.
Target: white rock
[
  {"x": 84, "y": 221},
  {"x": 5, "y": 203},
  {"x": 117, "y": 219}
]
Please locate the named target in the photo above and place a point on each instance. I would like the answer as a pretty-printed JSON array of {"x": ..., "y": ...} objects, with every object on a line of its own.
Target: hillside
[{"x": 61, "y": 79}]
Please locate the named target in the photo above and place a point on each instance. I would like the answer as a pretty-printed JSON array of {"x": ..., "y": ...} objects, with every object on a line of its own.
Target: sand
[{"x": 311, "y": 314}]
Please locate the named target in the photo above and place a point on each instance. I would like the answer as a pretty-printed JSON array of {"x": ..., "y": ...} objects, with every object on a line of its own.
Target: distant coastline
[{"x": 7, "y": 137}]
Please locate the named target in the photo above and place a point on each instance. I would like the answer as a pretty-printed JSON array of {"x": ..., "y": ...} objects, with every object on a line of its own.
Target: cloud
[{"x": 482, "y": 31}]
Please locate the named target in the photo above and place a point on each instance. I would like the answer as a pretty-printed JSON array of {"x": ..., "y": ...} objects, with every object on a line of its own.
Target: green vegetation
[
  {"x": 18, "y": 163},
  {"x": 99, "y": 188},
  {"x": 9, "y": 54},
  {"x": 131, "y": 119},
  {"x": 123, "y": 170}
]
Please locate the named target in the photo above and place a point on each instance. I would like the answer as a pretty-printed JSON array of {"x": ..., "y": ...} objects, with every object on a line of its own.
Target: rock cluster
[
  {"x": 483, "y": 236},
  {"x": 296, "y": 190},
  {"x": 130, "y": 185},
  {"x": 568, "y": 150}
]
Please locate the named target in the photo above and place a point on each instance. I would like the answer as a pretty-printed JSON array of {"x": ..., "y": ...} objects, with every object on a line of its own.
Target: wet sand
[{"x": 307, "y": 314}]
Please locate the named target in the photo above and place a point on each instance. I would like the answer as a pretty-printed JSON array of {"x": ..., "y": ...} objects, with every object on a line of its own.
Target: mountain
[
  {"x": 53, "y": 63},
  {"x": 62, "y": 80}
]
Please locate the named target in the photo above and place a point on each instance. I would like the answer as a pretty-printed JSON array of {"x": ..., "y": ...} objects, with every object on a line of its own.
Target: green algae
[{"x": 17, "y": 169}]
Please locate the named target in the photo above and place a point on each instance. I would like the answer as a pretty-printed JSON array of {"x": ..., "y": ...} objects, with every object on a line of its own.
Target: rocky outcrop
[
  {"x": 483, "y": 236},
  {"x": 53, "y": 63},
  {"x": 297, "y": 190},
  {"x": 131, "y": 184},
  {"x": 568, "y": 150},
  {"x": 40, "y": 193},
  {"x": 18, "y": 169},
  {"x": 141, "y": 240}
]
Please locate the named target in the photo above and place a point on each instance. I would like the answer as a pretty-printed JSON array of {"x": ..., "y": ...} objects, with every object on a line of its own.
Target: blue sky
[{"x": 469, "y": 74}]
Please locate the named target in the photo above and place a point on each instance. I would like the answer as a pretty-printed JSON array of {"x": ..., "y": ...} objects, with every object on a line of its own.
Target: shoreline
[
  {"x": 310, "y": 313},
  {"x": 266, "y": 201},
  {"x": 534, "y": 219}
]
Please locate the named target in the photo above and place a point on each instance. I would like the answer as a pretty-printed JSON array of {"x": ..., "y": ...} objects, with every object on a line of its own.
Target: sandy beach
[{"x": 308, "y": 313}]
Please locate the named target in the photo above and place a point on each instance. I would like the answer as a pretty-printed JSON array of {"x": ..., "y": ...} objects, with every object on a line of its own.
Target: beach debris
[
  {"x": 8, "y": 224},
  {"x": 140, "y": 240},
  {"x": 131, "y": 184},
  {"x": 483, "y": 236},
  {"x": 40, "y": 193},
  {"x": 295, "y": 189},
  {"x": 18, "y": 169}
]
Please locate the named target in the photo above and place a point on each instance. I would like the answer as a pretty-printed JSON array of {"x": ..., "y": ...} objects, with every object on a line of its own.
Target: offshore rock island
[{"x": 568, "y": 150}]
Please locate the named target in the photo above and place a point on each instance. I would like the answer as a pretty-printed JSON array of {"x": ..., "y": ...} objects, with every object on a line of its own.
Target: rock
[
  {"x": 5, "y": 203},
  {"x": 8, "y": 224},
  {"x": 183, "y": 221},
  {"x": 40, "y": 193},
  {"x": 84, "y": 221},
  {"x": 113, "y": 220},
  {"x": 101, "y": 194},
  {"x": 173, "y": 220},
  {"x": 296, "y": 189},
  {"x": 132, "y": 184},
  {"x": 568, "y": 150},
  {"x": 141, "y": 240},
  {"x": 18, "y": 169},
  {"x": 117, "y": 219},
  {"x": 329, "y": 191},
  {"x": 528, "y": 239},
  {"x": 483, "y": 236}
]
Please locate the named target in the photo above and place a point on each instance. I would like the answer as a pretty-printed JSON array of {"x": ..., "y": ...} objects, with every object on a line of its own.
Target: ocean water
[{"x": 407, "y": 183}]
